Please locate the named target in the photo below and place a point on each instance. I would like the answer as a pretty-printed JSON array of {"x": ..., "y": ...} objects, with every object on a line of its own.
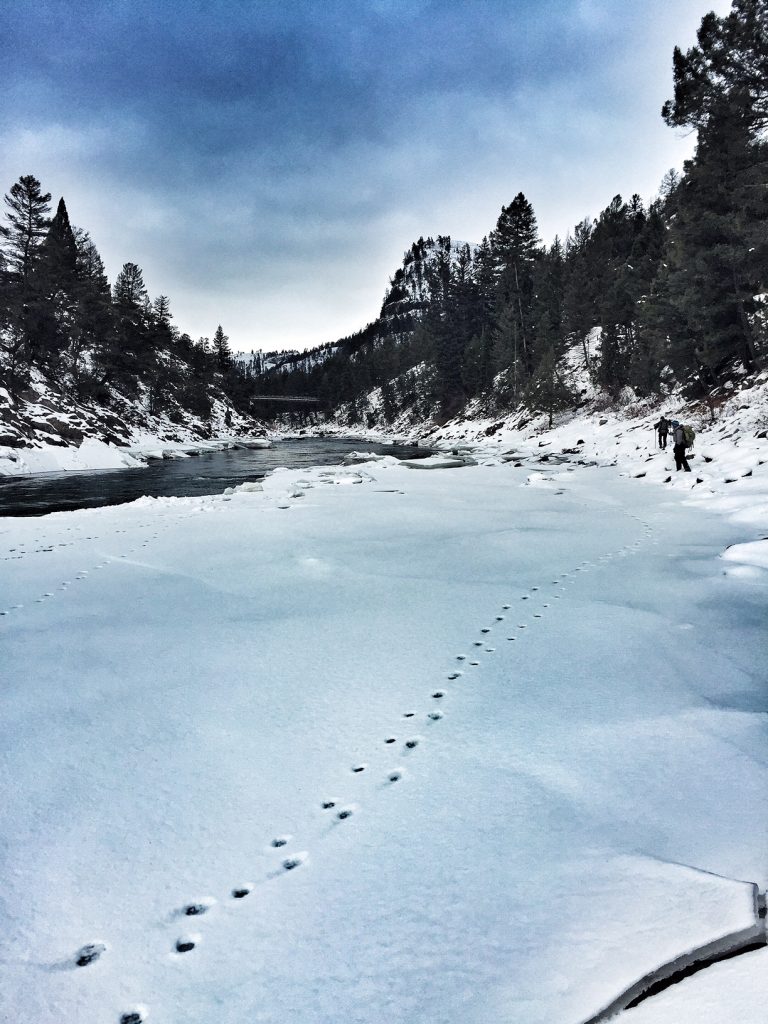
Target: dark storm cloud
[
  {"x": 242, "y": 151},
  {"x": 232, "y": 74}
]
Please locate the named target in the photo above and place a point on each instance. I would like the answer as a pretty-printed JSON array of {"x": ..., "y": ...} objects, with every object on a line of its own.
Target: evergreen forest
[
  {"x": 60, "y": 318},
  {"x": 650, "y": 294}
]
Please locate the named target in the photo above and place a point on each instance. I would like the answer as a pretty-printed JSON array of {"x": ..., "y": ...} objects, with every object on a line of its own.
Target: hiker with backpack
[
  {"x": 662, "y": 429},
  {"x": 682, "y": 438}
]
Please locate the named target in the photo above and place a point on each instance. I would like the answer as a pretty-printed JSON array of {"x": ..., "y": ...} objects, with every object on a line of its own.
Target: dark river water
[{"x": 204, "y": 474}]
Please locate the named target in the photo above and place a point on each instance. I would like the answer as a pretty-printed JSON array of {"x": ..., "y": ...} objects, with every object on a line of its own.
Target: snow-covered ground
[{"x": 484, "y": 744}]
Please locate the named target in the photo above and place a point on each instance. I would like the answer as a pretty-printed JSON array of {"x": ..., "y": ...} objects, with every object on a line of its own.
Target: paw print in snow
[
  {"x": 291, "y": 863},
  {"x": 90, "y": 953},
  {"x": 138, "y": 1015},
  {"x": 185, "y": 943},
  {"x": 198, "y": 908}
]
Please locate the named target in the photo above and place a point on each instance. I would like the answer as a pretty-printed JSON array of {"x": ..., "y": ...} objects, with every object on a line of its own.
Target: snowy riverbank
[
  {"x": 533, "y": 695},
  {"x": 729, "y": 460},
  {"x": 93, "y": 454}
]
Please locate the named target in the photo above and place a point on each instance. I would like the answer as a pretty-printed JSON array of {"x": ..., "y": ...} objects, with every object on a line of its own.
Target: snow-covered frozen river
[
  {"x": 39, "y": 494},
  {"x": 472, "y": 746}
]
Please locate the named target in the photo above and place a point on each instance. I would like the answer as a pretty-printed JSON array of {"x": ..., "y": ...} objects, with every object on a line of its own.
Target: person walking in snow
[
  {"x": 662, "y": 429},
  {"x": 680, "y": 443}
]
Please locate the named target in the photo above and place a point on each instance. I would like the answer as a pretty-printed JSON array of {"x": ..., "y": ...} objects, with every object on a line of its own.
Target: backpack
[{"x": 690, "y": 434}]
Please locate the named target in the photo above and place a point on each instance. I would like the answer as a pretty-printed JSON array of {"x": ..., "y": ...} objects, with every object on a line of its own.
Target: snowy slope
[
  {"x": 44, "y": 418},
  {"x": 190, "y": 681}
]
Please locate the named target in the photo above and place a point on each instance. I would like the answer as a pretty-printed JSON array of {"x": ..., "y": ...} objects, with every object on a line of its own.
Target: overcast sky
[{"x": 267, "y": 162}]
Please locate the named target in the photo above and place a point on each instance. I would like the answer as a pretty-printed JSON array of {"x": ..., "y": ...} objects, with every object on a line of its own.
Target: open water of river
[{"x": 204, "y": 474}]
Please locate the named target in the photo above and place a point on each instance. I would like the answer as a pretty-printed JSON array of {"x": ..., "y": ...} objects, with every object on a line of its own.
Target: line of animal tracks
[{"x": 408, "y": 734}]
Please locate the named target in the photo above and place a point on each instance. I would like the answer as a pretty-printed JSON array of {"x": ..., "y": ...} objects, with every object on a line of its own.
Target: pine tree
[
  {"x": 129, "y": 354},
  {"x": 22, "y": 237},
  {"x": 718, "y": 247},
  {"x": 515, "y": 237},
  {"x": 58, "y": 252},
  {"x": 161, "y": 309},
  {"x": 27, "y": 226},
  {"x": 484, "y": 273},
  {"x": 719, "y": 241},
  {"x": 129, "y": 291},
  {"x": 727, "y": 70},
  {"x": 221, "y": 349},
  {"x": 94, "y": 324},
  {"x": 515, "y": 248},
  {"x": 51, "y": 304}
]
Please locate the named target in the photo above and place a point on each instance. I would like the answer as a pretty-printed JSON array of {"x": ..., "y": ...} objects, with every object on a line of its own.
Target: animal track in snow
[
  {"x": 197, "y": 908},
  {"x": 185, "y": 943},
  {"x": 138, "y": 1015},
  {"x": 343, "y": 812},
  {"x": 290, "y": 863},
  {"x": 90, "y": 953}
]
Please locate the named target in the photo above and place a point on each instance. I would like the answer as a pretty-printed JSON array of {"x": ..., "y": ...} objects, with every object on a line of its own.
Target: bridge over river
[{"x": 287, "y": 399}]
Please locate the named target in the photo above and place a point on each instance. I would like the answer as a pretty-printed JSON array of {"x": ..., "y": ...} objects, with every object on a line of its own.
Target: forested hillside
[
  {"x": 93, "y": 348},
  {"x": 670, "y": 291},
  {"x": 658, "y": 293}
]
